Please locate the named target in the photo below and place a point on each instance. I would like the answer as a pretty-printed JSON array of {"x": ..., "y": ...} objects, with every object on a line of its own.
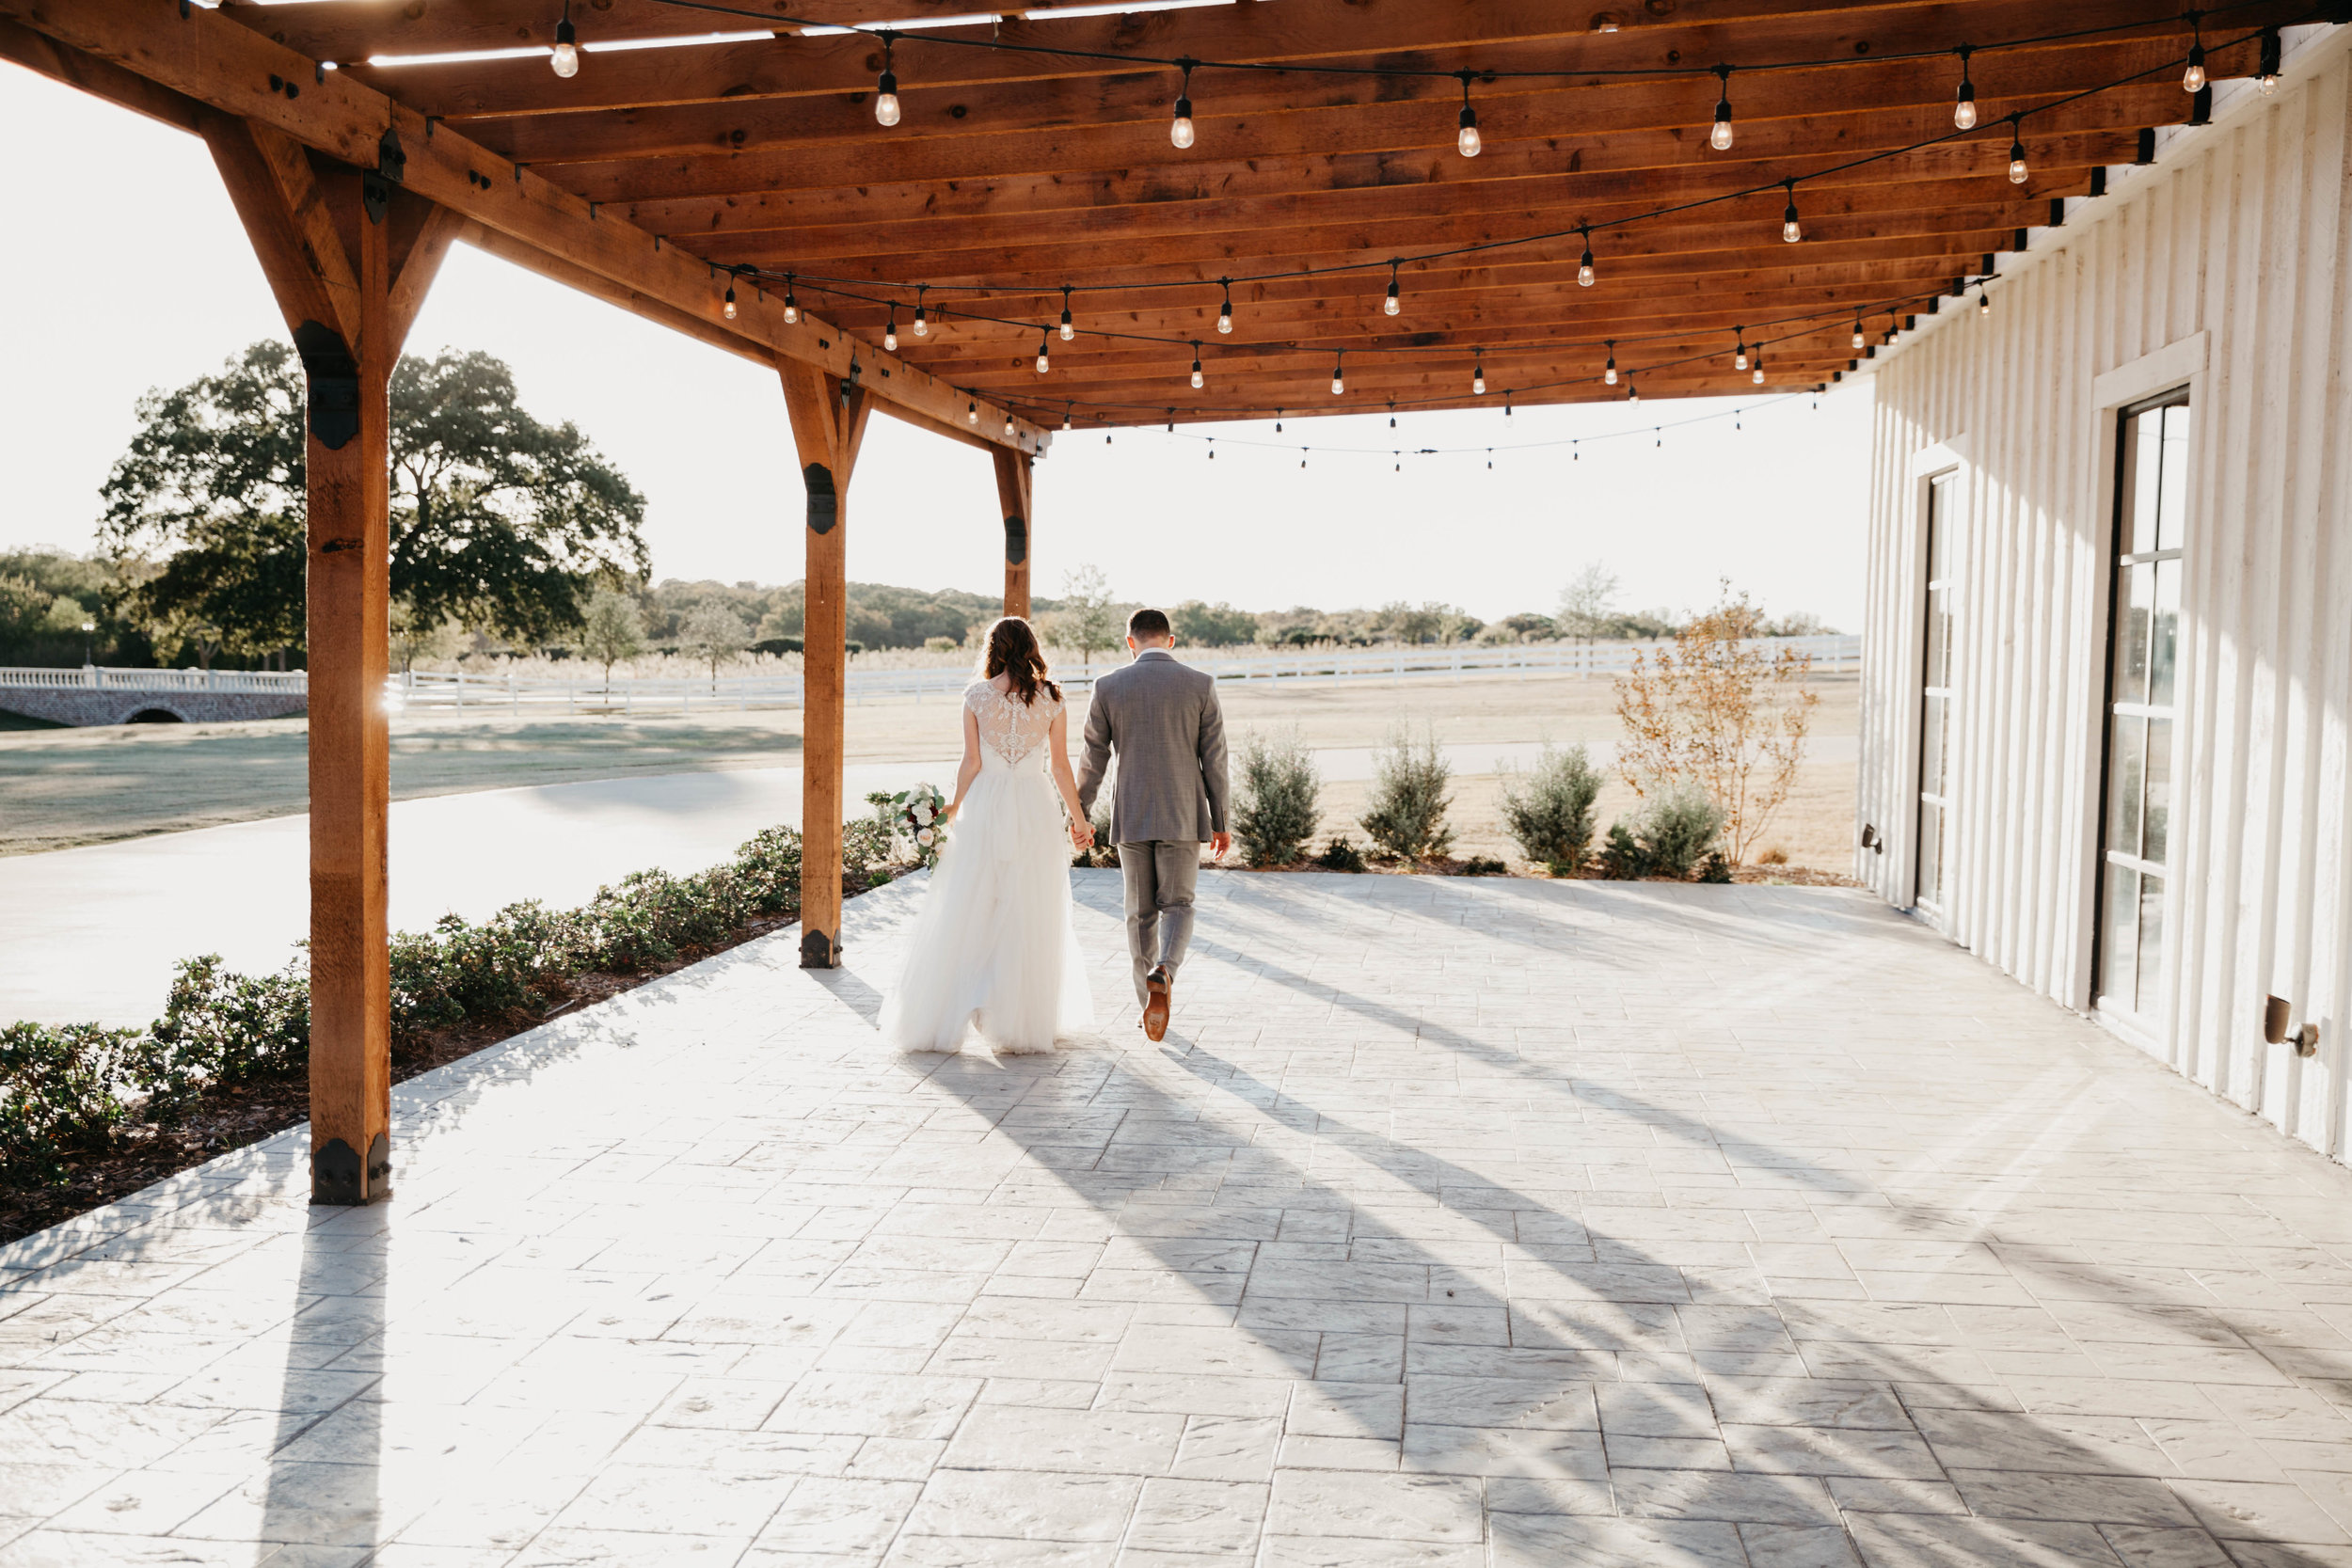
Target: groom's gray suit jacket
[{"x": 1170, "y": 734}]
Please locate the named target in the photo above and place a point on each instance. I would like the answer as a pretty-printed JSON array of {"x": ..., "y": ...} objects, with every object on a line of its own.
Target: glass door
[
  {"x": 1935, "y": 702},
  {"x": 2151, "y": 521}
]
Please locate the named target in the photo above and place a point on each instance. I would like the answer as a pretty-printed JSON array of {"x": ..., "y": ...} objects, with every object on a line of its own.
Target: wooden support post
[
  {"x": 828, "y": 418},
  {"x": 349, "y": 273},
  {"x": 1013, "y": 482}
]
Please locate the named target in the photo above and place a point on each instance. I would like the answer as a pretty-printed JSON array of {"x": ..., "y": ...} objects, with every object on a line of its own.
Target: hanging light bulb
[
  {"x": 972, "y": 412},
  {"x": 886, "y": 87},
  {"x": 1719, "y": 137},
  {"x": 1043, "y": 362},
  {"x": 2016, "y": 152},
  {"x": 2193, "y": 79},
  {"x": 922, "y": 313},
  {"x": 1392, "y": 413},
  {"x": 726, "y": 307},
  {"x": 1338, "y": 381},
  {"x": 1466, "y": 141},
  {"x": 1277, "y": 421},
  {"x": 1984, "y": 301},
  {"x": 1964, "y": 102},
  {"x": 1065, "y": 414},
  {"x": 2266, "y": 73},
  {"x": 1632, "y": 393},
  {"x": 1791, "y": 229},
  {"x": 1225, "y": 307},
  {"x": 1180, "y": 129},
  {"x": 1391, "y": 304},
  {"x": 1857, "y": 332},
  {"x": 1068, "y": 329},
  {"x": 791, "y": 306},
  {"x": 1008, "y": 424},
  {"x": 1199, "y": 381},
  {"x": 564, "y": 59},
  {"x": 1478, "y": 376},
  {"x": 1755, "y": 376},
  {"x": 890, "y": 331},
  {"x": 1609, "y": 375},
  {"x": 1740, "y": 348},
  {"x": 1584, "y": 266}
]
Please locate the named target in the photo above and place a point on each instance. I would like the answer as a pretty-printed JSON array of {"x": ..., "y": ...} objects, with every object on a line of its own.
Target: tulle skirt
[{"x": 993, "y": 945}]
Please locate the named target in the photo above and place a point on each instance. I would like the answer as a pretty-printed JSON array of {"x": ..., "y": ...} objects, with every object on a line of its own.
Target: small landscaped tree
[
  {"x": 712, "y": 634},
  {"x": 1409, "y": 796},
  {"x": 1730, "y": 719},
  {"x": 1588, "y": 603},
  {"x": 1088, "y": 618},
  {"x": 611, "y": 630}
]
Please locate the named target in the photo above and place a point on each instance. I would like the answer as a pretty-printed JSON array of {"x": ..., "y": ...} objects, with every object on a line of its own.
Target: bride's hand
[{"x": 1081, "y": 835}]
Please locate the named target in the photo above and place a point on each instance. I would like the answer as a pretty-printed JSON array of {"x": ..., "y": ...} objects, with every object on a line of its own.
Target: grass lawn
[{"x": 66, "y": 787}]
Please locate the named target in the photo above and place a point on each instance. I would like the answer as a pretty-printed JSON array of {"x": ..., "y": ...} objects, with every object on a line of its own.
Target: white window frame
[
  {"x": 2179, "y": 363},
  {"x": 1949, "y": 457}
]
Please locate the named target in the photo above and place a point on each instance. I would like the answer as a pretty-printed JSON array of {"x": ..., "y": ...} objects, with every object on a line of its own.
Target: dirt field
[{"x": 63, "y": 786}]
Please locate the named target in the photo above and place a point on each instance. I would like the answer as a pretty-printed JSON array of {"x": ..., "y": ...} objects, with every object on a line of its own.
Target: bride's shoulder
[{"x": 981, "y": 688}]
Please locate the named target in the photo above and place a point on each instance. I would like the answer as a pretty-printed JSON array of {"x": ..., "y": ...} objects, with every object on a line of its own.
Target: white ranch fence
[{"x": 431, "y": 692}]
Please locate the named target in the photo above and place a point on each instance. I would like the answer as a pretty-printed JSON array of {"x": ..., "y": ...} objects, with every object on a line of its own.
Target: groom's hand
[{"x": 1218, "y": 843}]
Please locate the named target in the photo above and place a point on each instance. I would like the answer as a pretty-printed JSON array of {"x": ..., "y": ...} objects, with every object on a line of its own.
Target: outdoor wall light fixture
[
  {"x": 1871, "y": 841},
  {"x": 2275, "y": 1030}
]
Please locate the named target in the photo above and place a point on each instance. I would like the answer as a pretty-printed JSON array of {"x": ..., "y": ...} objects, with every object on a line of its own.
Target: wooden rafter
[{"x": 1014, "y": 173}]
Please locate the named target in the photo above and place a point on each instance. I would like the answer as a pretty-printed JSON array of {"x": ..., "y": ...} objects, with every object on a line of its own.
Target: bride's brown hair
[{"x": 1013, "y": 650}]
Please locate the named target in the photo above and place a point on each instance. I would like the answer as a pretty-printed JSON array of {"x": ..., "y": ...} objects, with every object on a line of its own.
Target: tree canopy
[{"x": 500, "y": 523}]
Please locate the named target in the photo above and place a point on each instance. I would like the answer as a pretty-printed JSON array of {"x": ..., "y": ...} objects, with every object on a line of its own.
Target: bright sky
[{"x": 142, "y": 278}]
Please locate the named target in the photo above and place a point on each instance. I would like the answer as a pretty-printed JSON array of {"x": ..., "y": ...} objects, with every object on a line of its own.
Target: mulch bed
[{"x": 234, "y": 1116}]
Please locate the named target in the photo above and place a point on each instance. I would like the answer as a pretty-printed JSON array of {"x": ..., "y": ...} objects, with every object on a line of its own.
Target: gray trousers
[{"x": 1160, "y": 879}]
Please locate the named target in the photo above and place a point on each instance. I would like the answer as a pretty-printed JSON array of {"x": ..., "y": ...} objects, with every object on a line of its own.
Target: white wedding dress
[{"x": 993, "y": 945}]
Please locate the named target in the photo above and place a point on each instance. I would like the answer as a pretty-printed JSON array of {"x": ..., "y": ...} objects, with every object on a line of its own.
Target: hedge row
[{"x": 72, "y": 1090}]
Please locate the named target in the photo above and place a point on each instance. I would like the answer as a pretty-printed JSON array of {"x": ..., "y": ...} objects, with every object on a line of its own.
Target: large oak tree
[{"x": 500, "y": 523}]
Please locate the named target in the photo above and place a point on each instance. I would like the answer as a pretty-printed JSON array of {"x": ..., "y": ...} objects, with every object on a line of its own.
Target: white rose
[
  {"x": 923, "y": 815},
  {"x": 927, "y": 838}
]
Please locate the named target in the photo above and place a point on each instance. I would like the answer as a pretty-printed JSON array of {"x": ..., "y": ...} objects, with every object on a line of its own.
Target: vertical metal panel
[{"x": 2246, "y": 239}]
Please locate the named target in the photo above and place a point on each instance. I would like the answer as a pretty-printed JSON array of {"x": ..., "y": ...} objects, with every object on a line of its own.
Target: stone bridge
[{"x": 91, "y": 695}]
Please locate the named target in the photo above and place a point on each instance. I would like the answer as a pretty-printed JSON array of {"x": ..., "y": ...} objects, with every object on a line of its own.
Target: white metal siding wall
[{"x": 2247, "y": 240}]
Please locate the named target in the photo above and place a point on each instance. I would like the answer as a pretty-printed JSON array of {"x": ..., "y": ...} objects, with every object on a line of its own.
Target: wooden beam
[
  {"x": 1014, "y": 481},
  {"x": 211, "y": 58},
  {"x": 45, "y": 56},
  {"x": 828, "y": 419},
  {"x": 349, "y": 598}
]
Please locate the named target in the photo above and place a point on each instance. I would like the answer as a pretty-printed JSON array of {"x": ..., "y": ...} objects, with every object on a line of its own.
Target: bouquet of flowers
[{"x": 914, "y": 816}]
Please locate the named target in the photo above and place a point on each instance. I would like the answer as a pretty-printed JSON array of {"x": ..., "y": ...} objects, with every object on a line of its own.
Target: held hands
[{"x": 1081, "y": 833}]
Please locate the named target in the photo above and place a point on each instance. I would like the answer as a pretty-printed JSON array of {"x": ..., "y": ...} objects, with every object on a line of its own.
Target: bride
[{"x": 994, "y": 944}]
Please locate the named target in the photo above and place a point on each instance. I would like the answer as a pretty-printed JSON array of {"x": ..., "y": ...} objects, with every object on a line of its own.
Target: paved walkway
[
  {"x": 1458, "y": 1223},
  {"x": 93, "y": 935}
]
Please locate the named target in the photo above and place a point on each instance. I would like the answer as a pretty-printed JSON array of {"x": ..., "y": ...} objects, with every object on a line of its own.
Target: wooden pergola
[{"x": 741, "y": 189}]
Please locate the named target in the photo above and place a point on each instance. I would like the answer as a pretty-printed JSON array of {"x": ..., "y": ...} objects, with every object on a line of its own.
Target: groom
[{"x": 1162, "y": 718}]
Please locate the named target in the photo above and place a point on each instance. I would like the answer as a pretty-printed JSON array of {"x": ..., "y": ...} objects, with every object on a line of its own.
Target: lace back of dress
[{"x": 1009, "y": 727}]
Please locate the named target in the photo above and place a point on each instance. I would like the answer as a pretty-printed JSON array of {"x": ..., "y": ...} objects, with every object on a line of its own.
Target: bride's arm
[
  {"x": 1058, "y": 746},
  {"x": 971, "y": 765}
]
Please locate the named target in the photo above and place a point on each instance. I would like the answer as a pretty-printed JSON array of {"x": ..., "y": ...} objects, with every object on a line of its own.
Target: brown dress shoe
[{"x": 1155, "y": 1009}]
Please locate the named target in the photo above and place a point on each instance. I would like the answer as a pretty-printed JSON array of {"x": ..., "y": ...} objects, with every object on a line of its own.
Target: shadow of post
[{"x": 325, "y": 1483}]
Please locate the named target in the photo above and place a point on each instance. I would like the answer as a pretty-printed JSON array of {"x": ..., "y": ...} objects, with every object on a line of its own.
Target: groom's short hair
[{"x": 1149, "y": 622}]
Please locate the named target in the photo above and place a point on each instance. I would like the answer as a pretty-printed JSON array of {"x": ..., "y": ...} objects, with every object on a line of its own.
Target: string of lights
[
  {"x": 889, "y": 37},
  {"x": 1720, "y": 138},
  {"x": 1575, "y": 444}
]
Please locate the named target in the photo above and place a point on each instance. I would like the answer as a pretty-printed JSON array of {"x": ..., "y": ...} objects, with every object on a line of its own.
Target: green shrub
[
  {"x": 221, "y": 1027},
  {"x": 1408, "y": 798},
  {"x": 1552, "y": 818},
  {"x": 1675, "y": 829},
  {"x": 65, "y": 1089},
  {"x": 1341, "y": 854},
  {"x": 1622, "y": 858},
  {"x": 1484, "y": 866},
  {"x": 1677, "y": 826},
  {"x": 1715, "y": 868},
  {"x": 1278, "y": 810},
  {"x": 69, "y": 1090}
]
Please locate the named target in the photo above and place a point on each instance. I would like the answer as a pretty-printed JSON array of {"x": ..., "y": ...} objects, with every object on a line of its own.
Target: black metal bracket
[
  {"x": 391, "y": 169},
  {"x": 824, "y": 501},
  {"x": 1016, "y": 539},
  {"x": 818, "y": 950},
  {"x": 333, "y": 376}
]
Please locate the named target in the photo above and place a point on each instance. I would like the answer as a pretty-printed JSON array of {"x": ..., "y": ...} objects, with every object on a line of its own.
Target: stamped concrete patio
[{"x": 1457, "y": 1223}]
